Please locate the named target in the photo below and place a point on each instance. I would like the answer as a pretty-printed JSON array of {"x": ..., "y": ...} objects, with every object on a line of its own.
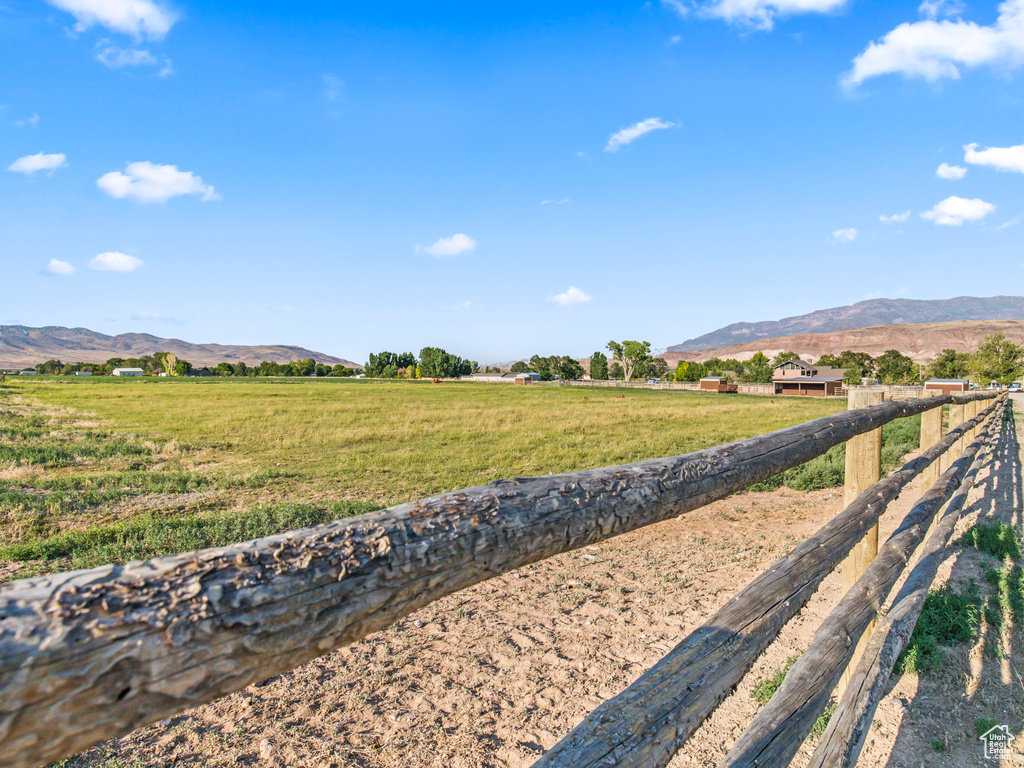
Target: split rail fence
[{"x": 89, "y": 655}]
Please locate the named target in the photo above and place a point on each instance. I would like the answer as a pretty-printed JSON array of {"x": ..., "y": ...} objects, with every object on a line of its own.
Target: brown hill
[
  {"x": 21, "y": 346},
  {"x": 920, "y": 341},
  {"x": 863, "y": 314}
]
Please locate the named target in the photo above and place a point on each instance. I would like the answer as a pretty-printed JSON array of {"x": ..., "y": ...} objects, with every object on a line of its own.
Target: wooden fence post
[
  {"x": 975, "y": 409},
  {"x": 931, "y": 433},
  {"x": 957, "y": 415},
  {"x": 863, "y": 469}
]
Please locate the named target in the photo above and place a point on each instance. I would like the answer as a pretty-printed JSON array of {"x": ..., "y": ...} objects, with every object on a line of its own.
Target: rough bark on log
[
  {"x": 95, "y": 654},
  {"x": 778, "y": 730},
  {"x": 648, "y": 722},
  {"x": 841, "y": 744}
]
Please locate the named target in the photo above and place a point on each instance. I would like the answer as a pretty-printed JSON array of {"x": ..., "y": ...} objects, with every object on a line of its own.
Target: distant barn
[
  {"x": 717, "y": 384},
  {"x": 128, "y": 372},
  {"x": 946, "y": 386}
]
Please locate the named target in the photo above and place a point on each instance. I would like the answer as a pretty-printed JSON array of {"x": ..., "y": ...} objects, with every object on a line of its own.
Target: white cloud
[
  {"x": 158, "y": 317},
  {"x": 845, "y": 235},
  {"x": 895, "y": 218},
  {"x": 467, "y": 304},
  {"x": 58, "y": 267},
  {"x": 450, "y": 246},
  {"x": 114, "y": 261},
  {"x": 166, "y": 70},
  {"x": 936, "y": 49},
  {"x": 954, "y": 211},
  {"x": 1000, "y": 158},
  {"x": 675, "y": 39},
  {"x": 759, "y": 14},
  {"x": 934, "y": 9},
  {"x": 950, "y": 171},
  {"x": 115, "y": 57},
  {"x": 572, "y": 296},
  {"x": 30, "y": 122},
  {"x": 29, "y": 164},
  {"x": 333, "y": 87},
  {"x": 634, "y": 132},
  {"x": 151, "y": 183},
  {"x": 563, "y": 201},
  {"x": 1011, "y": 223},
  {"x": 138, "y": 18}
]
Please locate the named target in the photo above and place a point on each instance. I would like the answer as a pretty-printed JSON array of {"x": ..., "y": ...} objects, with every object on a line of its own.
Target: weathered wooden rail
[{"x": 89, "y": 655}]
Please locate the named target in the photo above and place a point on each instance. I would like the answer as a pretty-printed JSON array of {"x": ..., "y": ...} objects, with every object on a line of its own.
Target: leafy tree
[
  {"x": 49, "y": 368},
  {"x": 854, "y": 373},
  {"x": 657, "y": 368},
  {"x": 632, "y": 356},
  {"x": 614, "y": 371},
  {"x": 224, "y": 369},
  {"x": 519, "y": 367},
  {"x": 682, "y": 371},
  {"x": 182, "y": 368},
  {"x": 322, "y": 370},
  {"x": 167, "y": 361},
  {"x": 850, "y": 359},
  {"x": 541, "y": 365},
  {"x": 436, "y": 363},
  {"x": 388, "y": 361},
  {"x": 997, "y": 359},
  {"x": 569, "y": 368},
  {"x": 896, "y": 368},
  {"x": 599, "y": 366},
  {"x": 341, "y": 370},
  {"x": 759, "y": 369},
  {"x": 950, "y": 364},
  {"x": 784, "y": 357}
]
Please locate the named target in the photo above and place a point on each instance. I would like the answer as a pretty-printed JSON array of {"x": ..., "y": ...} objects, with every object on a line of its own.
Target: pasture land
[{"x": 103, "y": 470}]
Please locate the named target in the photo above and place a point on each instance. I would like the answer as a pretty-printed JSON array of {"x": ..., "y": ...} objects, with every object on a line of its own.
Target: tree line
[
  {"x": 997, "y": 359},
  {"x": 432, "y": 363},
  {"x": 169, "y": 364}
]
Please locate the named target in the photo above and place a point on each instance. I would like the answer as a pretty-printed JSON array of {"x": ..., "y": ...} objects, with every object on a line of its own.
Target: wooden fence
[{"x": 89, "y": 655}]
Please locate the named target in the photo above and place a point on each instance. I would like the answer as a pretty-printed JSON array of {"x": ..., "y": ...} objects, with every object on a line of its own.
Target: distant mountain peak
[{"x": 872, "y": 312}]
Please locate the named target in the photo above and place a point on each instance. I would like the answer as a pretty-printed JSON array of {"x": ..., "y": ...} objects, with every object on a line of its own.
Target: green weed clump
[
  {"x": 998, "y": 539},
  {"x": 947, "y": 619},
  {"x": 766, "y": 688}
]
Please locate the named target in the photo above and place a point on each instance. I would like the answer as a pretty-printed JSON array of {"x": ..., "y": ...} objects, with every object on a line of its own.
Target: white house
[
  {"x": 83, "y": 373},
  {"x": 128, "y": 372}
]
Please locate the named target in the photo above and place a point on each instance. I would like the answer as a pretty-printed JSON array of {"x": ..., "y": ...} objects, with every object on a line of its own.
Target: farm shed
[
  {"x": 27, "y": 372},
  {"x": 526, "y": 378},
  {"x": 717, "y": 384},
  {"x": 127, "y": 372},
  {"x": 946, "y": 386},
  {"x": 83, "y": 373}
]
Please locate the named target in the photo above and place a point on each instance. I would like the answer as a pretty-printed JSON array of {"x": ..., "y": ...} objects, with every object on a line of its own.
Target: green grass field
[{"x": 102, "y": 469}]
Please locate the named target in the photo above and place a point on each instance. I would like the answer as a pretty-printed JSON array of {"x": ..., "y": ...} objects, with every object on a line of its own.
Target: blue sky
[{"x": 501, "y": 179}]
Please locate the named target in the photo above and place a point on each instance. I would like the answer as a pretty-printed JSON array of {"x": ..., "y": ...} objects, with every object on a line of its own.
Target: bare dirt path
[{"x": 495, "y": 675}]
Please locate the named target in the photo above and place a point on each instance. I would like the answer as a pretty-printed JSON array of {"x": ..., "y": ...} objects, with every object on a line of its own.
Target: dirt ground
[{"x": 496, "y": 674}]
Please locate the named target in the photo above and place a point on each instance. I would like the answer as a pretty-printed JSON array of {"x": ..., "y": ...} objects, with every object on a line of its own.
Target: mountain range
[
  {"x": 21, "y": 346},
  {"x": 863, "y": 314},
  {"x": 920, "y": 341}
]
